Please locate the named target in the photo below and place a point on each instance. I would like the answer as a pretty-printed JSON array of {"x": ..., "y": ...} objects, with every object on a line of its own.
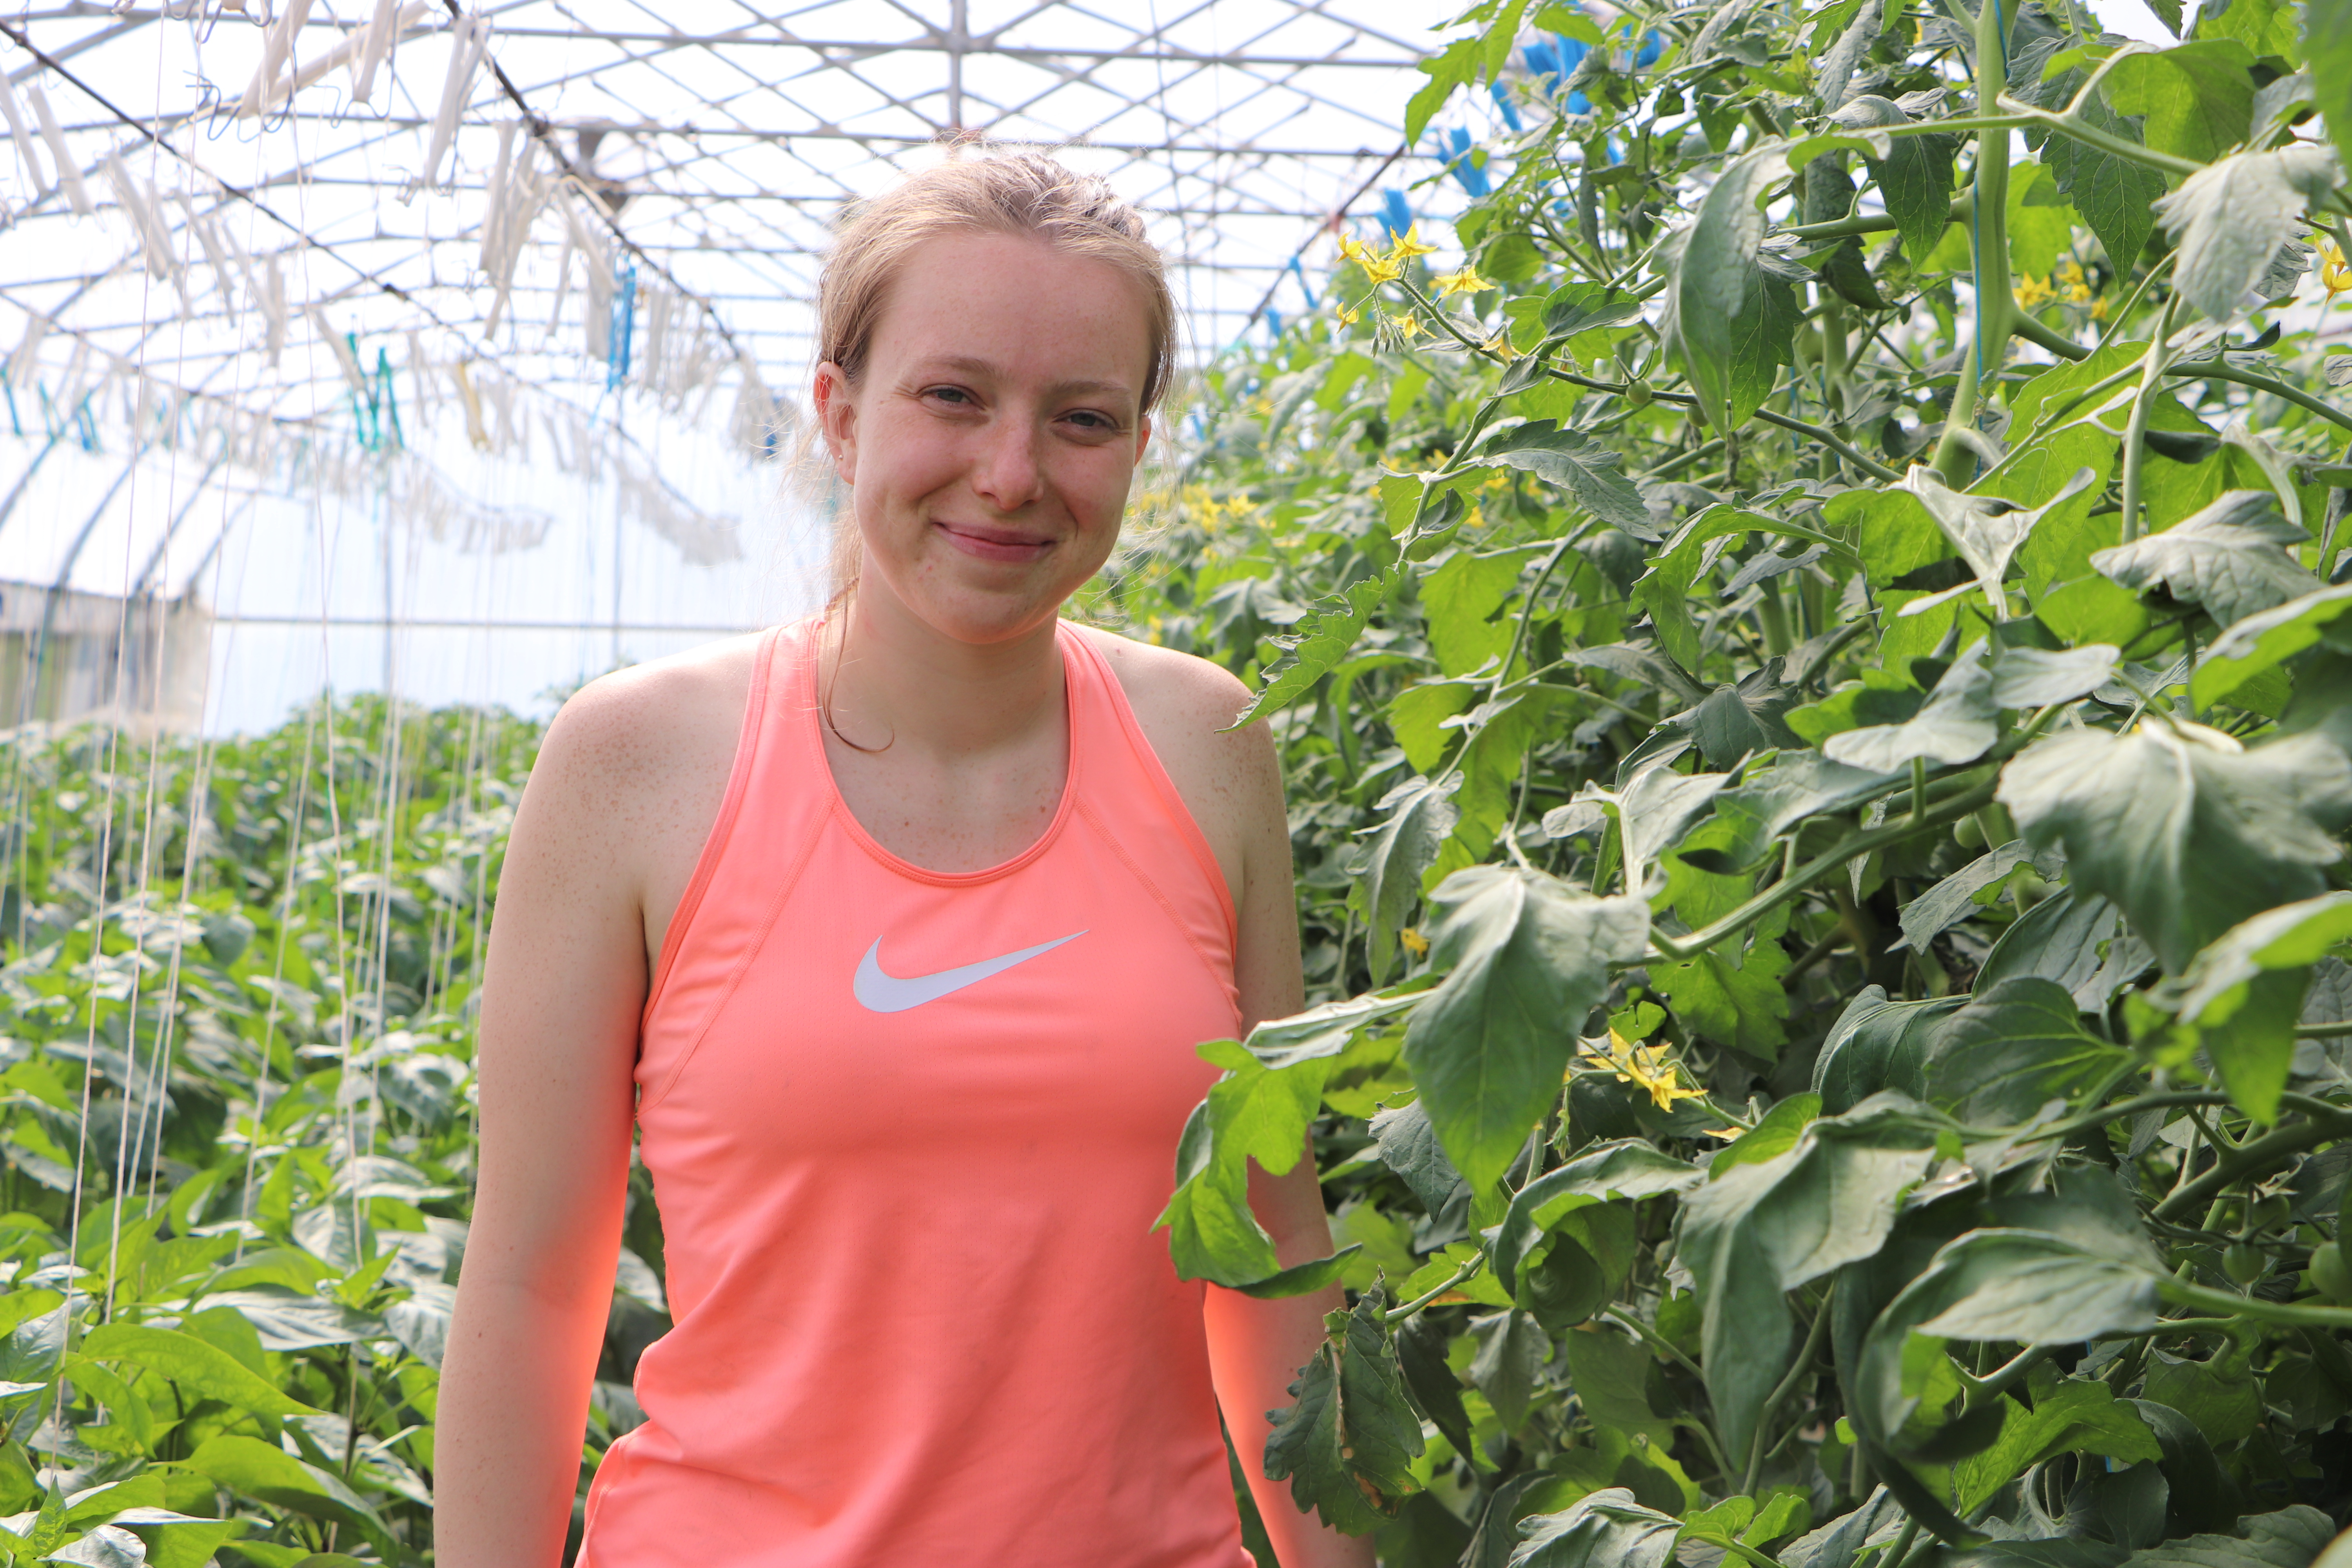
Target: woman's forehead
[{"x": 1011, "y": 305}]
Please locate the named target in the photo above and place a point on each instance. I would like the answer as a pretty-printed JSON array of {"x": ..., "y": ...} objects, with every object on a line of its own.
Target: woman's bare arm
[
  {"x": 1255, "y": 1348},
  {"x": 564, "y": 983}
]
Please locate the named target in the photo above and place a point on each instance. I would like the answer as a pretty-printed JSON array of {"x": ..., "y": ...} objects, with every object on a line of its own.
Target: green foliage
[
  {"x": 236, "y": 1007},
  {"x": 1830, "y": 725}
]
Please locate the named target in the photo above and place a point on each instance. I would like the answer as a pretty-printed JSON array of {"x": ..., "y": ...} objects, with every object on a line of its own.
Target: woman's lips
[{"x": 994, "y": 543}]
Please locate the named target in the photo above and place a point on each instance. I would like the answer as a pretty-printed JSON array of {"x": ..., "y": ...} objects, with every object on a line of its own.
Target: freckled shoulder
[
  {"x": 635, "y": 763},
  {"x": 1229, "y": 778}
]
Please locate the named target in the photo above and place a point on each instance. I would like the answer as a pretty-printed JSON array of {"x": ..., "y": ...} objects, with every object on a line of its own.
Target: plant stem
[
  {"x": 1816, "y": 870},
  {"x": 1989, "y": 216},
  {"x": 2217, "y": 370},
  {"x": 1650, "y": 1337},
  {"x": 1805, "y": 1364},
  {"x": 2284, "y": 1314},
  {"x": 1398, "y": 1315},
  {"x": 2135, "y": 429},
  {"x": 2252, "y": 1159}
]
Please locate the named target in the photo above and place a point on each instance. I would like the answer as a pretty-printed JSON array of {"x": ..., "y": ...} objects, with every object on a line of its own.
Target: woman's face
[{"x": 991, "y": 441}]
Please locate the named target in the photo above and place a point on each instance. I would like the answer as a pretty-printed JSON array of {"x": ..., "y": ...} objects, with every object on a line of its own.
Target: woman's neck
[{"x": 896, "y": 680}]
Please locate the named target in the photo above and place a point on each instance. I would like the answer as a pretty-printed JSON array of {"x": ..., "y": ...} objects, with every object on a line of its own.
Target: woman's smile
[{"x": 990, "y": 542}]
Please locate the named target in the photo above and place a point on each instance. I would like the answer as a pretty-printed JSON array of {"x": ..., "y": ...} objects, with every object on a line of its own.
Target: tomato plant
[{"x": 1810, "y": 676}]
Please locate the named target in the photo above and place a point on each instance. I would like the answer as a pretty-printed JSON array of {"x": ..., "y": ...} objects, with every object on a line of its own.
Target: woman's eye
[
  {"x": 1089, "y": 419},
  {"x": 955, "y": 395}
]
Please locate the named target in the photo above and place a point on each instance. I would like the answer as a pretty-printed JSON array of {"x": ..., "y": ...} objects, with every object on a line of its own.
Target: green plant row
[
  {"x": 1813, "y": 676},
  {"x": 235, "y": 1081}
]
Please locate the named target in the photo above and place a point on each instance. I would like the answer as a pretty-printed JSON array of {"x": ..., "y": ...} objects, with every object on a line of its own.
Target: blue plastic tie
[
  {"x": 1503, "y": 102},
  {"x": 1396, "y": 213}
]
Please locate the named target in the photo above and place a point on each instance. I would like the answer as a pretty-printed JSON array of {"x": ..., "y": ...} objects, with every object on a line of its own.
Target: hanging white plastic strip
[
  {"x": 21, "y": 364},
  {"x": 273, "y": 305},
  {"x": 342, "y": 351},
  {"x": 469, "y": 40},
  {"x": 68, "y": 172},
  {"x": 208, "y": 235},
  {"x": 375, "y": 41},
  {"x": 347, "y": 53},
  {"x": 263, "y": 91},
  {"x": 598, "y": 267},
  {"x": 145, "y": 225},
  {"x": 474, "y": 431},
  {"x": 494, "y": 216},
  {"x": 563, "y": 281},
  {"x": 35, "y": 182}
]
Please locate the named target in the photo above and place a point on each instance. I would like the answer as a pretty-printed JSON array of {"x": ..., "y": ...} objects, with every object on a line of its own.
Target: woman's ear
[{"x": 837, "y": 417}]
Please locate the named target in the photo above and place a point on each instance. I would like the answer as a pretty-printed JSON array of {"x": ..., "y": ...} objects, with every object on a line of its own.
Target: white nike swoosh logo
[{"x": 880, "y": 993}]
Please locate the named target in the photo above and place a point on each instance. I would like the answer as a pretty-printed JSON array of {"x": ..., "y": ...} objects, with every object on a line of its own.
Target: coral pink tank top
[{"x": 909, "y": 1130}]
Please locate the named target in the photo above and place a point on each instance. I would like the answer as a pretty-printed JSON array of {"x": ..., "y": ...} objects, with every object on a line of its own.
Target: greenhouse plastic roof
[
  {"x": 242, "y": 178},
  {"x": 438, "y": 350}
]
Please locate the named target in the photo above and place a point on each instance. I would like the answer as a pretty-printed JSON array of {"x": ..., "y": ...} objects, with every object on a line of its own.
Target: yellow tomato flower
[
  {"x": 2098, "y": 309},
  {"x": 1499, "y": 345},
  {"x": 1351, "y": 249},
  {"x": 1380, "y": 269},
  {"x": 1408, "y": 326},
  {"x": 2034, "y": 292},
  {"x": 2333, "y": 272},
  {"x": 1646, "y": 1067},
  {"x": 1414, "y": 942},
  {"x": 1409, "y": 245},
  {"x": 1466, "y": 281},
  {"x": 1348, "y": 316}
]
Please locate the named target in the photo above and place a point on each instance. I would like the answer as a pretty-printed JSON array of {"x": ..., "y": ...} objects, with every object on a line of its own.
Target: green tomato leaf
[
  {"x": 1325, "y": 635},
  {"x": 2291, "y": 1537},
  {"x": 1915, "y": 177},
  {"x": 1628, "y": 1168},
  {"x": 1389, "y": 865},
  {"x": 2265, "y": 639},
  {"x": 2195, "y": 100},
  {"x": 1346, "y": 1446},
  {"x": 1766, "y": 1228},
  {"x": 1606, "y": 1529},
  {"x": 1724, "y": 314},
  {"x": 1877, "y": 1045},
  {"x": 2328, "y": 50},
  {"x": 1528, "y": 958},
  {"x": 1408, "y": 1145},
  {"x": 2079, "y": 1416},
  {"x": 1511, "y": 1352},
  {"x": 2116, "y": 196},
  {"x": 1956, "y": 898},
  {"x": 2185, "y": 832},
  {"x": 2228, "y": 219},
  {"x": 2033, "y": 678},
  {"x": 1955, "y": 726},
  {"x": 2015, "y": 1046},
  {"x": 1575, "y": 462}
]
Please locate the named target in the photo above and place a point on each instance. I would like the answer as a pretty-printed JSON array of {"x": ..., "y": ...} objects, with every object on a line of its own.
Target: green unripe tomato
[
  {"x": 1638, "y": 394},
  {"x": 2245, "y": 1262},
  {"x": 2328, "y": 1272},
  {"x": 1968, "y": 832},
  {"x": 2270, "y": 1212}
]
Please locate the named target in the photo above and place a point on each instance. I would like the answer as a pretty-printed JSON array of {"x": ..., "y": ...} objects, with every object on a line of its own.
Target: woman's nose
[{"x": 1009, "y": 473}]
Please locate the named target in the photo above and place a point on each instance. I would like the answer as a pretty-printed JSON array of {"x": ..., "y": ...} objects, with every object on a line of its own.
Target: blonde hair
[{"x": 1024, "y": 194}]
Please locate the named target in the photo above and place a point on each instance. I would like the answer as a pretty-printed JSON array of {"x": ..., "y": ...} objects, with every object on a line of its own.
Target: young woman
[{"x": 892, "y": 932}]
